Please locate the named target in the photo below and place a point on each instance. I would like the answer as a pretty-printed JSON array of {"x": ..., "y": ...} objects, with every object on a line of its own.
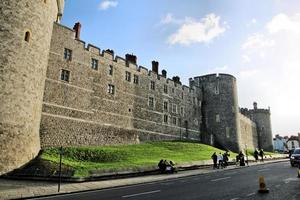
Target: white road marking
[
  {"x": 220, "y": 179},
  {"x": 235, "y": 198},
  {"x": 139, "y": 194},
  {"x": 286, "y": 181},
  {"x": 277, "y": 186},
  {"x": 251, "y": 194},
  {"x": 266, "y": 169}
]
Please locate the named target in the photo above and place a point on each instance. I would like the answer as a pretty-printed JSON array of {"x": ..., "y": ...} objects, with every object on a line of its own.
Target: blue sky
[{"x": 255, "y": 40}]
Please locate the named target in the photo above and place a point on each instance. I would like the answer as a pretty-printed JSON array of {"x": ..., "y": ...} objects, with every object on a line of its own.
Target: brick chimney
[
  {"x": 164, "y": 73},
  {"x": 77, "y": 28},
  {"x": 155, "y": 65},
  {"x": 131, "y": 58},
  {"x": 176, "y": 79}
]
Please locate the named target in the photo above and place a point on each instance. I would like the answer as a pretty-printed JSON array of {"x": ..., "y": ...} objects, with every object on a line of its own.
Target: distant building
[
  {"x": 279, "y": 143},
  {"x": 292, "y": 142}
]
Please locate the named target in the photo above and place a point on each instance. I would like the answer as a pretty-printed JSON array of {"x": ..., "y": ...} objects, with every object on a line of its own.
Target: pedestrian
[
  {"x": 261, "y": 154},
  {"x": 215, "y": 160},
  {"x": 256, "y": 155},
  {"x": 242, "y": 158},
  {"x": 161, "y": 165},
  {"x": 225, "y": 158},
  {"x": 220, "y": 160}
]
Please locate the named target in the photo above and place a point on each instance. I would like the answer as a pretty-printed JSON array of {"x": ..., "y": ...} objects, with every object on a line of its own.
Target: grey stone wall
[
  {"x": 262, "y": 119},
  {"x": 248, "y": 133},
  {"x": 219, "y": 110},
  {"x": 85, "y": 98},
  {"x": 23, "y": 67}
]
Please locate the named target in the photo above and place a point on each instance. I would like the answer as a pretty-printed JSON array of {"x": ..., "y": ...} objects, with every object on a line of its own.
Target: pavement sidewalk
[{"x": 16, "y": 189}]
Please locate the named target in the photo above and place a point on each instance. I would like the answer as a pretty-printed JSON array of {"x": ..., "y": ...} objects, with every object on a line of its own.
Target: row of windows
[
  {"x": 65, "y": 76},
  {"x": 94, "y": 65},
  {"x": 174, "y": 120}
]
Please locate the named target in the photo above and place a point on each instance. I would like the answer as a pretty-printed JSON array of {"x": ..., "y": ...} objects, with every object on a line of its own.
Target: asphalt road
[{"x": 235, "y": 184}]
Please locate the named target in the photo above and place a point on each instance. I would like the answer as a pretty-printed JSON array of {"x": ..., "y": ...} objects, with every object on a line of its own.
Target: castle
[{"x": 56, "y": 91}]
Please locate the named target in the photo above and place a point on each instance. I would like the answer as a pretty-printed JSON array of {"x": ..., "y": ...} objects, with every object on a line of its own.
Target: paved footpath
[{"x": 14, "y": 189}]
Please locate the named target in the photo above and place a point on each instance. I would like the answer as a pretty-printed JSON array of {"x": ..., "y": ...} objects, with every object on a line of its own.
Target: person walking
[
  {"x": 220, "y": 160},
  {"x": 225, "y": 158},
  {"x": 261, "y": 154},
  {"x": 256, "y": 155},
  {"x": 215, "y": 160},
  {"x": 242, "y": 158}
]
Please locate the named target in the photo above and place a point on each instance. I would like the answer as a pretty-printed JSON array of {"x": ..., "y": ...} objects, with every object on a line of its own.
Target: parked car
[{"x": 295, "y": 157}]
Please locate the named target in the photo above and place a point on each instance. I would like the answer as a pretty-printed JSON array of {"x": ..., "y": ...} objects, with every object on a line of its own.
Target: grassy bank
[{"x": 122, "y": 157}]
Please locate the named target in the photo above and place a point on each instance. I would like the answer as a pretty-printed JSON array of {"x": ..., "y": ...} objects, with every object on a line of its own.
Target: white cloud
[
  {"x": 106, "y": 4},
  {"x": 282, "y": 22},
  {"x": 273, "y": 81},
  {"x": 193, "y": 31},
  {"x": 257, "y": 41},
  {"x": 253, "y": 21}
]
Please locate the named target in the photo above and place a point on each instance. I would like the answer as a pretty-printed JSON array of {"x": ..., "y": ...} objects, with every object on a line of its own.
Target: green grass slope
[{"x": 123, "y": 157}]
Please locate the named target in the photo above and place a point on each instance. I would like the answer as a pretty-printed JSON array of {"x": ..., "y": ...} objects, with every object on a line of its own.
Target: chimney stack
[
  {"x": 176, "y": 79},
  {"x": 155, "y": 65},
  {"x": 77, "y": 28},
  {"x": 164, "y": 73},
  {"x": 255, "y": 105},
  {"x": 131, "y": 58}
]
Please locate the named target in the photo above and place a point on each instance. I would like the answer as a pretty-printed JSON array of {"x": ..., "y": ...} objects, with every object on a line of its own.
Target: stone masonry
[{"x": 58, "y": 91}]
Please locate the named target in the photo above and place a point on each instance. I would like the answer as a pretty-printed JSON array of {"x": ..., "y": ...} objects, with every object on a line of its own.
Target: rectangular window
[
  {"x": 151, "y": 102},
  {"x": 173, "y": 90},
  {"x": 174, "y": 120},
  {"x": 218, "y": 118},
  {"x": 217, "y": 91},
  {"x": 110, "y": 70},
  {"x": 166, "y": 106},
  {"x": 68, "y": 54},
  {"x": 174, "y": 108},
  {"x": 128, "y": 76},
  {"x": 152, "y": 85},
  {"x": 165, "y": 89},
  {"x": 94, "y": 64},
  {"x": 65, "y": 75},
  {"x": 181, "y": 95},
  {"x": 135, "y": 79},
  {"x": 111, "y": 89},
  {"x": 166, "y": 119},
  {"x": 182, "y": 111}
]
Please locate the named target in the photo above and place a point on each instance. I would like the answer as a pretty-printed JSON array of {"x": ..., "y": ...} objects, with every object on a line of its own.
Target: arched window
[{"x": 27, "y": 36}]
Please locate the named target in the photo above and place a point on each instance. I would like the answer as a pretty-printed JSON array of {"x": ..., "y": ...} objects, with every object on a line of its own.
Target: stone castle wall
[
  {"x": 25, "y": 32},
  {"x": 219, "y": 109},
  {"x": 248, "y": 133},
  {"x": 82, "y": 112}
]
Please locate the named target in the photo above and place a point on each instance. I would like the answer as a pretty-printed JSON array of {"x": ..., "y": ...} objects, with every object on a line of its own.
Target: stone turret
[
  {"x": 262, "y": 118},
  {"x": 219, "y": 110},
  {"x": 26, "y": 29}
]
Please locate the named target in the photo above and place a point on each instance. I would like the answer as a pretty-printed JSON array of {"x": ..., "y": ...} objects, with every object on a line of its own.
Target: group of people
[
  {"x": 166, "y": 167},
  {"x": 220, "y": 160},
  {"x": 259, "y": 153}
]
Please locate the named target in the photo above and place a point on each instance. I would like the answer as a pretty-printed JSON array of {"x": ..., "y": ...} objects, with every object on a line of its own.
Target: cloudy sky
[{"x": 258, "y": 41}]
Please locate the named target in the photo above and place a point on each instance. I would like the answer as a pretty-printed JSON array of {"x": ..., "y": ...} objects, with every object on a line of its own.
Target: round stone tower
[
  {"x": 25, "y": 33},
  {"x": 220, "y": 123}
]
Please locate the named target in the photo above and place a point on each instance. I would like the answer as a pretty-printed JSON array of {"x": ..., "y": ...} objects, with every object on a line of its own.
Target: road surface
[{"x": 235, "y": 184}]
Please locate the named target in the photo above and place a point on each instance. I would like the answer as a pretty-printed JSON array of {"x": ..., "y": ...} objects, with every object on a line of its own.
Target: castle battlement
[{"x": 81, "y": 95}]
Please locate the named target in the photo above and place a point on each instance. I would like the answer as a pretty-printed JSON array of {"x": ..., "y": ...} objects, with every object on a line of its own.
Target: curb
[
  {"x": 169, "y": 178},
  {"x": 123, "y": 174}
]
